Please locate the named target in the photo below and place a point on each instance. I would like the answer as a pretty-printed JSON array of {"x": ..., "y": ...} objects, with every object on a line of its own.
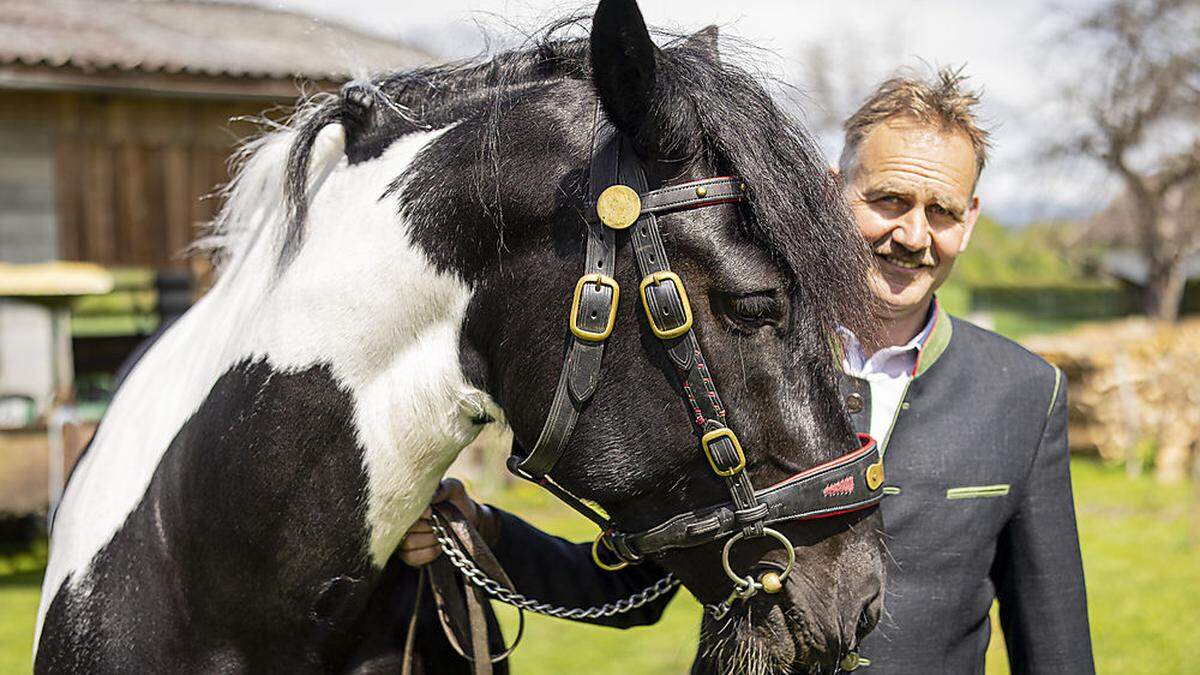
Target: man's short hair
[{"x": 941, "y": 101}]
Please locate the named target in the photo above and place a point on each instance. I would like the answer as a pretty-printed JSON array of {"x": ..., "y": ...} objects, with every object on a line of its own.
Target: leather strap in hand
[{"x": 460, "y": 604}]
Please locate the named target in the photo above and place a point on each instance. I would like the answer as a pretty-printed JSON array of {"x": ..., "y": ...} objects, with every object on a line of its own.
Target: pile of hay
[{"x": 1135, "y": 385}]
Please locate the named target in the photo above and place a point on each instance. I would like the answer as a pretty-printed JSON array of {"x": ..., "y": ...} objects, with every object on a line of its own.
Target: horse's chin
[{"x": 765, "y": 640}]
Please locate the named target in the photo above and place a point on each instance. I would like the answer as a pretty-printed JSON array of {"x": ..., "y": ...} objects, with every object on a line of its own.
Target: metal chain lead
[{"x": 493, "y": 588}]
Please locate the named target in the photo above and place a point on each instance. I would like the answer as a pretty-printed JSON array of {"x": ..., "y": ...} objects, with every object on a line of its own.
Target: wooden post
[
  {"x": 98, "y": 226},
  {"x": 176, "y": 199}
]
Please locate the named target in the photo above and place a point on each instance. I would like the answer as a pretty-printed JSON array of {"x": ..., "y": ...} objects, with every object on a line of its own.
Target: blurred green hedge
[
  {"x": 131, "y": 308},
  {"x": 1063, "y": 300}
]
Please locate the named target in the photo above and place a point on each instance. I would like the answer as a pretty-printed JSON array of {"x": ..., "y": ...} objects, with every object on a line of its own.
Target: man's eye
[{"x": 890, "y": 203}]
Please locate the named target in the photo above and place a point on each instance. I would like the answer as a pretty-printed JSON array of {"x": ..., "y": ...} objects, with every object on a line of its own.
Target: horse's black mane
[{"x": 797, "y": 210}]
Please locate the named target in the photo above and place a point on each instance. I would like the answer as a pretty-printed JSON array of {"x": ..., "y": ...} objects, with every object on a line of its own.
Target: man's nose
[{"x": 912, "y": 232}]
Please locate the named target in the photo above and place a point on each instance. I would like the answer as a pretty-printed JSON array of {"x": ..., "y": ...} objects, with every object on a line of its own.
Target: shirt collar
[{"x": 895, "y": 360}]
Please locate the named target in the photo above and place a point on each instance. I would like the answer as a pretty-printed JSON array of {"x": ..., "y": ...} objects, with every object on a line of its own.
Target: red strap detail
[
  {"x": 840, "y": 512},
  {"x": 868, "y": 444}
]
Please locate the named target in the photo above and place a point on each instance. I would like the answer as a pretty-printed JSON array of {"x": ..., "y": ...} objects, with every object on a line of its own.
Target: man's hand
[{"x": 420, "y": 546}]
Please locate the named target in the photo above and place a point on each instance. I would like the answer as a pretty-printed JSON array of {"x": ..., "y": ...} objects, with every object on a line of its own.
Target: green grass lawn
[
  {"x": 1143, "y": 570},
  {"x": 1143, "y": 578},
  {"x": 20, "y": 583}
]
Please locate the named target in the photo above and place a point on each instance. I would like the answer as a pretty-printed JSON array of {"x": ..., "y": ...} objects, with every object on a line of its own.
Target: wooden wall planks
[{"x": 130, "y": 173}]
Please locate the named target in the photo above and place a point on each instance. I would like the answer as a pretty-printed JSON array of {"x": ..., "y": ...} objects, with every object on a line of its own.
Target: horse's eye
[
  {"x": 754, "y": 307},
  {"x": 747, "y": 311}
]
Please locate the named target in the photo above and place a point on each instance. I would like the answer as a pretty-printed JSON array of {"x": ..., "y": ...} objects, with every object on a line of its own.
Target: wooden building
[
  {"x": 115, "y": 121},
  {"x": 115, "y": 115},
  {"x": 118, "y": 117}
]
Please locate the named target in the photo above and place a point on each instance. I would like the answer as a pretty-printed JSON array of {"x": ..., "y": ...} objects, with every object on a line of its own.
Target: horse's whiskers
[{"x": 734, "y": 649}]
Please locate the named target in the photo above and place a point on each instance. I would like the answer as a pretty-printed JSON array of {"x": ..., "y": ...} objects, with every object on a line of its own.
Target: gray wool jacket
[
  {"x": 978, "y": 451},
  {"x": 978, "y": 454}
]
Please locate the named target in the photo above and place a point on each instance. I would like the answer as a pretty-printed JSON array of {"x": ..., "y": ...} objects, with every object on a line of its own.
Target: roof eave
[{"x": 160, "y": 84}]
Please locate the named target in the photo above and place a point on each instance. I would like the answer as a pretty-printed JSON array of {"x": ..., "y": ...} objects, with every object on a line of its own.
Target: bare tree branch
[{"x": 1142, "y": 121}]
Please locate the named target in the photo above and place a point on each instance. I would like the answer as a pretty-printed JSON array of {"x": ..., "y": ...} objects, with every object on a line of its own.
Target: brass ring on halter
[
  {"x": 596, "y": 555},
  {"x": 774, "y": 534}
]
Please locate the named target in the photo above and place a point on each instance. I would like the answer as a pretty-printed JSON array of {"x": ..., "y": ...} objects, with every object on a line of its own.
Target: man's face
[{"x": 912, "y": 197}]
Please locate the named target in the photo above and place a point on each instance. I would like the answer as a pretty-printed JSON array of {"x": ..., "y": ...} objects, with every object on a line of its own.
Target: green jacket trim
[
  {"x": 975, "y": 491},
  {"x": 1054, "y": 394},
  {"x": 935, "y": 345},
  {"x": 895, "y": 416},
  {"x": 837, "y": 350}
]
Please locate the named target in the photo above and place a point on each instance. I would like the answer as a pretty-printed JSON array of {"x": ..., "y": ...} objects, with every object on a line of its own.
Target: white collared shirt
[{"x": 888, "y": 371}]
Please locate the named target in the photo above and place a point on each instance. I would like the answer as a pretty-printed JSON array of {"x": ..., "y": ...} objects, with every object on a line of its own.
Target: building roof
[
  {"x": 1116, "y": 224},
  {"x": 1129, "y": 265},
  {"x": 1111, "y": 226},
  {"x": 187, "y": 39},
  {"x": 1114, "y": 232}
]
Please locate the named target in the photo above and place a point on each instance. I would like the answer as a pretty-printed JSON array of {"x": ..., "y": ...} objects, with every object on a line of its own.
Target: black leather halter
[{"x": 619, "y": 193}]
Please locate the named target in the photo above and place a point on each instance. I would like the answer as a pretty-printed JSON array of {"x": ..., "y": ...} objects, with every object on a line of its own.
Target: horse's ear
[
  {"x": 624, "y": 62},
  {"x": 704, "y": 40}
]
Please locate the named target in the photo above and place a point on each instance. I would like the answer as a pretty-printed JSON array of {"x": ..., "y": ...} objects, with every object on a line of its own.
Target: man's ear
[{"x": 969, "y": 224}]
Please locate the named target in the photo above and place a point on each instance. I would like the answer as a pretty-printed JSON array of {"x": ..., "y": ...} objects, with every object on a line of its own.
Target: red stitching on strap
[
  {"x": 692, "y": 400},
  {"x": 706, "y": 377}
]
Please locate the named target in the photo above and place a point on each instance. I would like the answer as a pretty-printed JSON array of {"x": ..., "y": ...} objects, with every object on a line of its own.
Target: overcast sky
[{"x": 1003, "y": 45}]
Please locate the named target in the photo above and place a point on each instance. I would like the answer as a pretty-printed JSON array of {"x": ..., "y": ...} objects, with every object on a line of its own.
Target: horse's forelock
[{"x": 798, "y": 212}]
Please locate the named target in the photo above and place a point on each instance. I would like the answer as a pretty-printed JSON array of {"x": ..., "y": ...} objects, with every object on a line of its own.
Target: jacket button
[{"x": 855, "y": 403}]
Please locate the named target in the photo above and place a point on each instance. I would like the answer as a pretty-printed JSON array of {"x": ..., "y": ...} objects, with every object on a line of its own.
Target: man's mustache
[{"x": 886, "y": 246}]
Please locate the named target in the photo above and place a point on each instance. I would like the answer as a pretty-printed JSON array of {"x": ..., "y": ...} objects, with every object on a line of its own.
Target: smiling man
[
  {"x": 910, "y": 166},
  {"x": 973, "y": 427}
]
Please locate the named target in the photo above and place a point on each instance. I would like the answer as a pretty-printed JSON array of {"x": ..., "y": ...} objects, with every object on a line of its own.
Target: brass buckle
[
  {"x": 724, "y": 432},
  {"x": 600, "y": 280},
  {"x": 875, "y": 475},
  {"x": 656, "y": 279},
  {"x": 596, "y": 554}
]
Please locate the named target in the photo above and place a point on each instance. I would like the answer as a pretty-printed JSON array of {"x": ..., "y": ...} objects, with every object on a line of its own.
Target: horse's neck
[{"x": 359, "y": 299}]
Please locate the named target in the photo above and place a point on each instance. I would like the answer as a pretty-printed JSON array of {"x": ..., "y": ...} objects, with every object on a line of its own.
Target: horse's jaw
[{"x": 413, "y": 423}]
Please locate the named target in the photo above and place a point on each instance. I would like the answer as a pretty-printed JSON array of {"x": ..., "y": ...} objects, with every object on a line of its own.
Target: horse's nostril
[
  {"x": 864, "y": 621},
  {"x": 869, "y": 616}
]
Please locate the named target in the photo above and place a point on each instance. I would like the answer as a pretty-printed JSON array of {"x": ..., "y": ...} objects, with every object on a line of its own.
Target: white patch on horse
[{"x": 358, "y": 296}]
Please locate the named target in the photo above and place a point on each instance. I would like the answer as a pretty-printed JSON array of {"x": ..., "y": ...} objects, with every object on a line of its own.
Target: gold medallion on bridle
[
  {"x": 875, "y": 476},
  {"x": 618, "y": 206}
]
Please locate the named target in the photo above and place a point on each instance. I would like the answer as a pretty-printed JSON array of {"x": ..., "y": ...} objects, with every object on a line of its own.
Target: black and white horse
[{"x": 397, "y": 268}]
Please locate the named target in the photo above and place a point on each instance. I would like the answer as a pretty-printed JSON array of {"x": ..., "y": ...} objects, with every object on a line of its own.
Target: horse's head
[{"x": 502, "y": 198}]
